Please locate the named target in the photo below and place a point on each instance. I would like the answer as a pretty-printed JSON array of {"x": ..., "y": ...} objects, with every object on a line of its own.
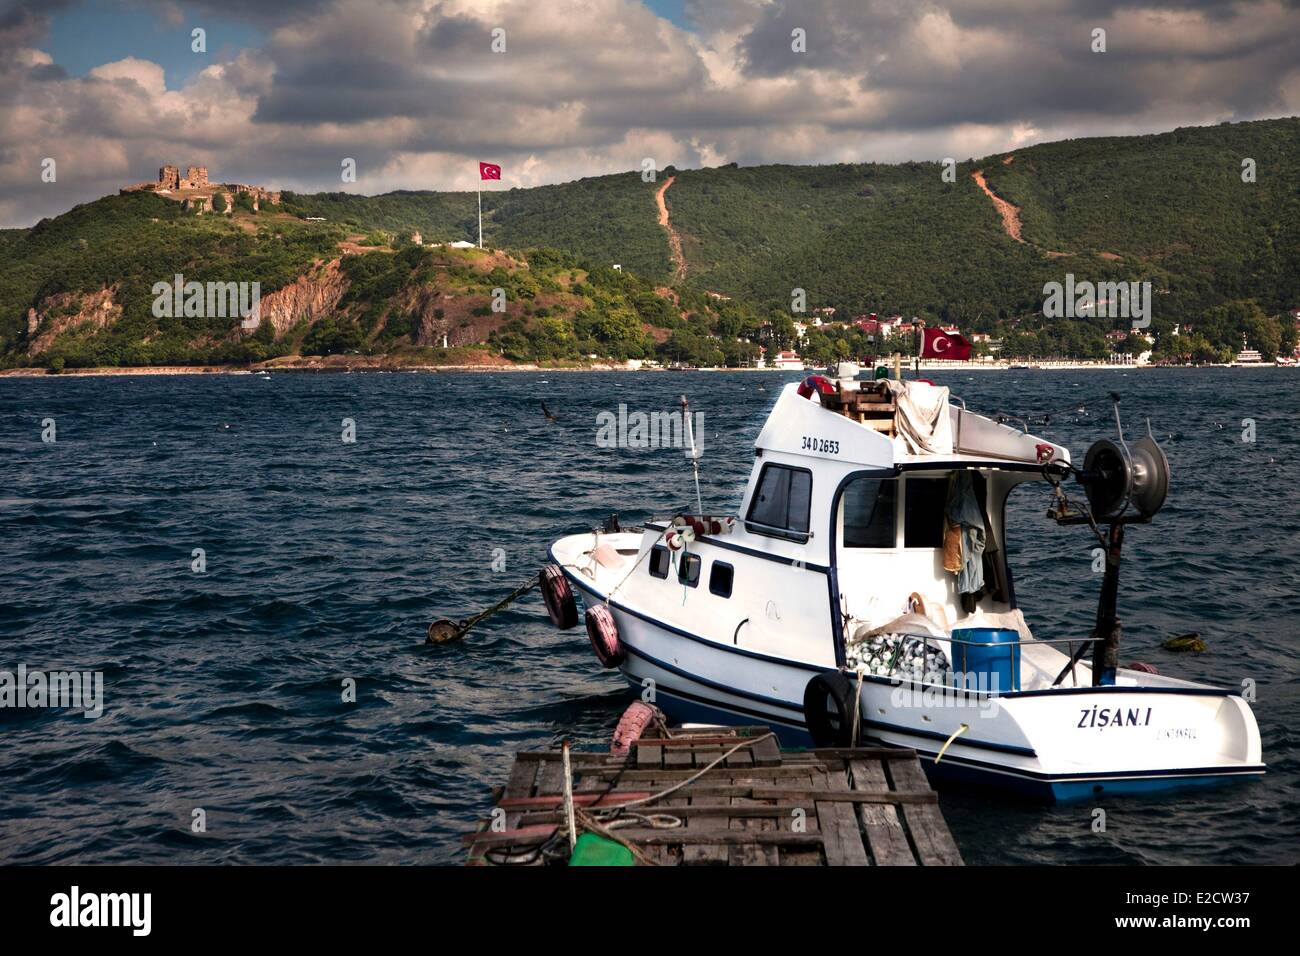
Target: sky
[{"x": 411, "y": 90}]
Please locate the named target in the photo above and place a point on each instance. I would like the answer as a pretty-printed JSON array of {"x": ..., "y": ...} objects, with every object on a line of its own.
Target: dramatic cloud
[{"x": 412, "y": 90}]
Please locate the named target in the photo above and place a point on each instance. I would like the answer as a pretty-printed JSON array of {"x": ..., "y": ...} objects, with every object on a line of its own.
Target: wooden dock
[{"x": 759, "y": 807}]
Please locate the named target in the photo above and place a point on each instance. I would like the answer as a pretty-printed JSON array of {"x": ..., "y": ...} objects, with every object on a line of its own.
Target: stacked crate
[{"x": 872, "y": 405}]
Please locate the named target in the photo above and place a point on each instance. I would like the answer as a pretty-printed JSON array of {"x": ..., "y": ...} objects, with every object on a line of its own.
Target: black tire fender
[{"x": 828, "y": 709}]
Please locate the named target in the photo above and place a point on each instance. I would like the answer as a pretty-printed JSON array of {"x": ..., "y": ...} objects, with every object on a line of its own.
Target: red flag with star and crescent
[
  {"x": 489, "y": 171},
  {"x": 938, "y": 344}
]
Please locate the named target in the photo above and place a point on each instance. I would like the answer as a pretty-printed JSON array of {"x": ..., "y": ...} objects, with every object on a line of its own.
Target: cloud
[{"x": 412, "y": 90}]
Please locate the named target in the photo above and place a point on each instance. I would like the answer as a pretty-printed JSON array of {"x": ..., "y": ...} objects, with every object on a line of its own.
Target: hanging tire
[
  {"x": 603, "y": 633},
  {"x": 638, "y": 717},
  {"x": 558, "y": 596},
  {"x": 828, "y": 709}
]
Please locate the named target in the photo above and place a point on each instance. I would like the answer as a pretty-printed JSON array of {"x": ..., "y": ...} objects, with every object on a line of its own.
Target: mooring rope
[
  {"x": 944, "y": 749},
  {"x": 605, "y": 821}
]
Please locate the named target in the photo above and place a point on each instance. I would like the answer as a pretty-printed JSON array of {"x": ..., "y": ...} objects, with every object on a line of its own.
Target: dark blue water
[{"x": 327, "y": 560}]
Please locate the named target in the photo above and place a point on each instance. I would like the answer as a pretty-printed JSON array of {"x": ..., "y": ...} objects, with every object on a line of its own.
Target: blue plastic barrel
[{"x": 987, "y": 658}]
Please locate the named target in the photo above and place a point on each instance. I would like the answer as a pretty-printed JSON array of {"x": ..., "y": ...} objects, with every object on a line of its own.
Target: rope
[
  {"x": 637, "y": 563},
  {"x": 857, "y": 706},
  {"x": 944, "y": 749},
  {"x": 501, "y": 605},
  {"x": 747, "y": 742},
  {"x": 605, "y": 821}
]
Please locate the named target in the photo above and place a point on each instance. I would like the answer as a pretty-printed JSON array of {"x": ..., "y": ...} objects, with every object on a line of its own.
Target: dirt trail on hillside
[
  {"x": 1009, "y": 213},
  {"x": 674, "y": 240}
]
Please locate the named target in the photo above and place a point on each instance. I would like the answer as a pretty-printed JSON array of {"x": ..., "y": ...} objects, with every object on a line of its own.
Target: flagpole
[{"x": 480, "y": 216}]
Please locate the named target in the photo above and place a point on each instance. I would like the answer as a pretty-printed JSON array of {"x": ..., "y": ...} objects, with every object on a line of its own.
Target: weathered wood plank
[
  {"x": 853, "y": 796},
  {"x": 641, "y": 775},
  {"x": 886, "y": 837},
  {"x": 547, "y": 801},
  {"x": 859, "y": 753},
  {"x": 518, "y": 785},
  {"x": 704, "y": 854},
  {"x": 767, "y": 753},
  {"x": 741, "y": 758},
  {"x": 930, "y": 834},
  {"x": 675, "y": 758},
  {"x": 841, "y": 838},
  {"x": 648, "y": 757},
  {"x": 550, "y": 776}
]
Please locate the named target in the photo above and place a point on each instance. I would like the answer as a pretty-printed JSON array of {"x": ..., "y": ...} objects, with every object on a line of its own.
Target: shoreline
[{"x": 347, "y": 368}]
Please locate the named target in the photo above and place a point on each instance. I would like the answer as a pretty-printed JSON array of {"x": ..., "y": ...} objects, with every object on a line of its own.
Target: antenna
[
  {"x": 694, "y": 453},
  {"x": 1114, "y": 397}
]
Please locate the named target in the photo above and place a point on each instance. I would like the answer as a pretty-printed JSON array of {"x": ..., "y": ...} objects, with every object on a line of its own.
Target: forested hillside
[
  {"x": 79, "y": 291},
  {"x": 1209, "y": 216}
]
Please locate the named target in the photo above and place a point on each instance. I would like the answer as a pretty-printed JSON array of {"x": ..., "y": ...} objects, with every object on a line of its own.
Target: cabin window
[
  {"x": 782, "y": 503},
  {"x": 659, "y": 561},
  {"x": 869, "y": 512},
  {"x": 721, "y": 576},
  {"x": 924, "y": 502},
  {"x": 688, "y": 570}
]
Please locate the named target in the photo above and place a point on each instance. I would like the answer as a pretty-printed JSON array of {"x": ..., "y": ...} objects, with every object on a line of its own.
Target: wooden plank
[
  {"x": 720, "y": 741},
  {"x": 750, "y": 814},
  {"x": 795, "y": 791},
  {"x": 707, "y": 854},
  {"x": 886, "y": 837},
  {"x": 853, "y": 796},
  {"x": 648, "y": 757},
  {"x": 639, "y": 776},
  {"x": 675, "y": 758},
  {"x": 741, "y": 758},
  {"x": 752, "y": 854},
  {"x": 519, "y": 784},
  {"x": 873, "y": 753},
  {"x": 550, "y": 776},
  {"x": 767, "y": 753},
  {"x": 576, "y": 757},
  {"x": 524, "y": 836},
  {"x": 841, "y": 838},
  {"x": 765, "y": 813},
  {"x": 547, "y": 801},
  {"x": 652, "y": 836},
  {"x": 930, "y": 834}
]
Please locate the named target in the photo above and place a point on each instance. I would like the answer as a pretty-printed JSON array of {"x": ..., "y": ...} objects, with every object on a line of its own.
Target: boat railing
[{"x": 1075, "y": 655}]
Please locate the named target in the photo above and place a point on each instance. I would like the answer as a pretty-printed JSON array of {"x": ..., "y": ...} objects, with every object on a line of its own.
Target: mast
[{"x": 693, "y": 454}]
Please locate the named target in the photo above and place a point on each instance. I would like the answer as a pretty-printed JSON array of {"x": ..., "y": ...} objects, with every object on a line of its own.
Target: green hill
[
  {"x": 1222, "y": 254},
  {"x": 78, "y": 291}
]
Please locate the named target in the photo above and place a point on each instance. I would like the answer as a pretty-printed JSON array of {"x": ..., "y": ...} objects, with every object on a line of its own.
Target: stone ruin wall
[{"x": 196, "y": 178}]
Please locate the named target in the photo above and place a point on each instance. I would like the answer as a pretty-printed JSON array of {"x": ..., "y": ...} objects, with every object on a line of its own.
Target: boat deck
[{"x": 759, "y": 807}]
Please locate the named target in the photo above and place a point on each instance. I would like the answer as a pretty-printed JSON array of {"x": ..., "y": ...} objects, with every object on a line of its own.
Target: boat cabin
[{"x": 852, "y": 481}]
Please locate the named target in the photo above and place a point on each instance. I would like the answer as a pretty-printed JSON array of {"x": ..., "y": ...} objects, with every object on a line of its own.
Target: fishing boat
[{"x": 861, "y": 592}]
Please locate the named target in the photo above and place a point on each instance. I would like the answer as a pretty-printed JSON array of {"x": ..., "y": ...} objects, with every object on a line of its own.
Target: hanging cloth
[
  {"x": 963, "y": 511},
  {"x": 923, "y": 418}
]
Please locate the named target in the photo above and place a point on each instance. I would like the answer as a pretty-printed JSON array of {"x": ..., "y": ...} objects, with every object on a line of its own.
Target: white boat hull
[{"x": 1062, "y": 743}]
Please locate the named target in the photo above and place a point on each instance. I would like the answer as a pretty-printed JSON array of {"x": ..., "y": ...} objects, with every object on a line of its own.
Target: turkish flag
[
  {"x": 938, "y": 344},
  {"x": 489, "y": 171}
]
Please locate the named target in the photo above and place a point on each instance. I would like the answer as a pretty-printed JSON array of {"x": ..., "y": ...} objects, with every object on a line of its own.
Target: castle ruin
[
  {"x": 196, "y": 177},
  {"x": 196, "y": 191}
]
